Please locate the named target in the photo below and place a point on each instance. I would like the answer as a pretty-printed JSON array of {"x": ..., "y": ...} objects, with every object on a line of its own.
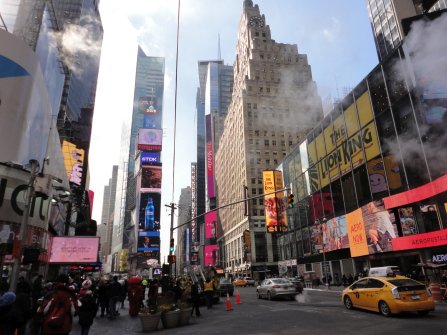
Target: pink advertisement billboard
[
  {"x": 149, "y": 139},
  {"x": 211, "y": 225},
  {"x": 211, "y": 254},
  {"x": 209, "y": 158},
  {"x": 74, "y": 250}
]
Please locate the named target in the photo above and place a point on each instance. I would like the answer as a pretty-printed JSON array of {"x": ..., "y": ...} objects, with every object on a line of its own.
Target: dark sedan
[{"x": 225, "y": 286}]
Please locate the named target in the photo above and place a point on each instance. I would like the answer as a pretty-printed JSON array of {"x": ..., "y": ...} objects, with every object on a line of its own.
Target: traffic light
[
  {"x": 171, "y": 259},
  {"x": 290, "y": 200},
  {"x": 171, "y": 245}
]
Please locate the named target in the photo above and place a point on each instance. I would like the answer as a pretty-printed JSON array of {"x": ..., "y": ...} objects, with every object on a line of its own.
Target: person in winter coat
[
  {"x": 195, "y": 298},
  {"x": 153, "y": 293},
  {"x": 57, "y": 311},
  {"x": 9, "y": 317},
  {"x": 87, "y": 311},
  {"x": 134, "y": 293},
  {"x": 103, "y": 301},
  {"x": 113, "y": 294},
  {"x": 23, "y": 306}
]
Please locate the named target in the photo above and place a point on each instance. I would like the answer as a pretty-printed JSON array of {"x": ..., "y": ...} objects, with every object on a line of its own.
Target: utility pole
[{"x": 21, "y": 239}]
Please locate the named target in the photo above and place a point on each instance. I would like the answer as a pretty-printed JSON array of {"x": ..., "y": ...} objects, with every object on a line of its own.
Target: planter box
[
  {"x": 170, "y": 319},
  {"x": 150, "y": 322},
  {"x": 185, "y": 315}
]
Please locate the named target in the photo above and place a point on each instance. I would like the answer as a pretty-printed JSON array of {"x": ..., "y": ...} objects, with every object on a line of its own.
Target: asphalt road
[{"x": 314, "y": 312}]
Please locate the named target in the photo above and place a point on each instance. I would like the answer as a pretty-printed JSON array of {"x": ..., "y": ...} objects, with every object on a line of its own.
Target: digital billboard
[
  {"x": 193, "y": 203},
  {"x": 210, "y": 255},
  {"x": 152, "y": 114},
  {"x": 148, "y": 241},
  {"x": 74, "y": 249},
  {"x": 151, "y": 178},
  {"x": 149, "y": 157},
  {"x": 209, "y": 158},
  {"x": 149, "y": 139},
  {"x": 275, "y": 207},
  {"x": 149, "y": 214},
  {"x": 147, "y": 105},
  {"x": 74, "y": 161},
  {"x": 211, "y": 225}
]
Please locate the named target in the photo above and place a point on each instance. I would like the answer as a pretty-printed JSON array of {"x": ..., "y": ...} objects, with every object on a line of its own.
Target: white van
[{"x": 384, "y": 271}]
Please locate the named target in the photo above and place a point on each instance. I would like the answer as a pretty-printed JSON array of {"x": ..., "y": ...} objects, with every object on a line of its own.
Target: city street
[{"x": 315, "y": 312}]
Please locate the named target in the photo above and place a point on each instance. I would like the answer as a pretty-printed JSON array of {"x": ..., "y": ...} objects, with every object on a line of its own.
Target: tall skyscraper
[
  {"x": 143, "y": 185},
  {"x": 213, "y": 99},
  {"x": 183, "y": 232},
  {"x": 274, "y": 104},
  {"x": 386, "y": 20}
]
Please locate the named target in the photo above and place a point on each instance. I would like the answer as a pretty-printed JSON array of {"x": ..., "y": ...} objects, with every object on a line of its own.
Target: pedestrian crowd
[{"x": 50, "y": 308}]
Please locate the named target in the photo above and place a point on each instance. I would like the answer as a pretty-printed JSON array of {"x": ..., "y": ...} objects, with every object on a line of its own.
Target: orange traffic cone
[
  {"x": 229, "y": 308},
  {"x": 238, "y": 298}
]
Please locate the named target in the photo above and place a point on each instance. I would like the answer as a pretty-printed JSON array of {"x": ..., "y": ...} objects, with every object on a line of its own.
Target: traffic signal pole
[{"x": 171, "y": 237}]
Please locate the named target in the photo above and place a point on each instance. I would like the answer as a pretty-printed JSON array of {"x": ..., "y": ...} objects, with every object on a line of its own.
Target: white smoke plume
[
  {"x": 424, "y": 69},
  {"x": 80, "y": 44}
]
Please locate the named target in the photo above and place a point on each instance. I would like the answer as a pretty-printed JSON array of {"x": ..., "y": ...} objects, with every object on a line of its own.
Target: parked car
[
  {"x": 225, "y": 286},
  {"x": 240, "y": 282},
  {"x": 297, "y": 283},
  {"x": 389, "y": 295},
  {"x": 276, "y": 287},
  {"x": 250, "y": 281}
]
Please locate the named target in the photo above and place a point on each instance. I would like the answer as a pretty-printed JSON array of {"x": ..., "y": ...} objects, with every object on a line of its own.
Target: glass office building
[{"x": 370, "y": 180}]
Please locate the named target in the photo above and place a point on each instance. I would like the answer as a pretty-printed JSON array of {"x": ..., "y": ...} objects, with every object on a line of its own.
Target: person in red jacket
[
  {"x": 135, "y": 294},
  {"x": 57, "y": 311}
]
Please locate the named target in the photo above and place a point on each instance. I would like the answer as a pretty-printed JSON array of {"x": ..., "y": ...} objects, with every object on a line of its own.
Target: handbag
[{"x": 56, "y": 316}]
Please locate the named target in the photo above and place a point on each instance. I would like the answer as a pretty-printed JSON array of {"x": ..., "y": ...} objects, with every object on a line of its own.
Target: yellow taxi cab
[
  {"x": 240, "y": 282},
  {"x": 385, "y": 292}
]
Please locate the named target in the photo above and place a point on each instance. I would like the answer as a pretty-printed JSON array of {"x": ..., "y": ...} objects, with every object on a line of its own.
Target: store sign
[
  {"x": 440, "y": 258},
  {"x": 426, "y": 240}
]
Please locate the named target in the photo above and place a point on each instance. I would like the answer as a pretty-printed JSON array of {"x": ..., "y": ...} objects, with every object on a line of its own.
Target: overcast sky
[{"x": 335, "y": 35}]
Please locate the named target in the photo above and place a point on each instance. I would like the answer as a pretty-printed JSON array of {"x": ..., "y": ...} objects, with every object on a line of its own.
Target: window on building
[
  {"x": 273, "y": 142},
  {"x": 362, "y": 186},
  {"x": 347, "y": 182},
  {"x": 337, "y": 196},
  {"x": 378, "y": 92},
  {"x": 255, "y": 106},
  {"x": 248, "y": 105},
  {"x": 261, "y": 201},
  {"x": 266, "y": 143}
]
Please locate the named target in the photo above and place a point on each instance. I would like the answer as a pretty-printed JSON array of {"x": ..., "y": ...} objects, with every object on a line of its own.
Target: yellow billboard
[
  {"x": 275, "y": 206},
  {"x": 364, "y": 109},
  {"x": 74, "y": 161},
  {"x": 356, "y": 233}
]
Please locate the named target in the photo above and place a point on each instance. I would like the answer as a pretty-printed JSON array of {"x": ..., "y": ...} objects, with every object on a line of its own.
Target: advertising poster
[
  {"x": 356, "y": 233},
  {"x": 149, "y": 215},
  {"x": 150, "y": 139},
  {"x": 210, "y": 255},
  {"x": 408, "y": 221},
  {"x": 74, "y": 250},
  {"x": 380, "y": 227},
  {"x": 74, "y": 161},
  {"x": 148, "y": 241},
  {"x": 151, "y": 178},
  {"x": 336, "y": 235},
  {"x": 211, "y": 225},
  {"x": 275, "y": 207}
]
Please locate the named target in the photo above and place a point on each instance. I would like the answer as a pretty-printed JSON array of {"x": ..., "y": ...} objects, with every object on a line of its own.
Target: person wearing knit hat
[
  {"x": 9, "y": 317},
  {"x": 7, "y": 299}
]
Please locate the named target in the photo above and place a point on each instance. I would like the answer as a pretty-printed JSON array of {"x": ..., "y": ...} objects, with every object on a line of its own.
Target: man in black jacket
[{"x": 113, "y": 294}]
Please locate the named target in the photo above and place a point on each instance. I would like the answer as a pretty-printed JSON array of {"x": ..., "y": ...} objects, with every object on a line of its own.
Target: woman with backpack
[{"x": 57, "y": 311}]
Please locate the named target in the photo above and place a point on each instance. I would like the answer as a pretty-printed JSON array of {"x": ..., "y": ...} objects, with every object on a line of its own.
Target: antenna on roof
[{"x": 218, "y": 47}]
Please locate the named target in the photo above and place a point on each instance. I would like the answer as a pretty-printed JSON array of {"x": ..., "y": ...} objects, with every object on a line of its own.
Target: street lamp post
[{"x": 34, "y": 170}]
